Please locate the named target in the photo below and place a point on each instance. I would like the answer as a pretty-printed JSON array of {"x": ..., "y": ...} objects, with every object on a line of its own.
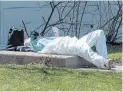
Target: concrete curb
[
  {"x": 116, "y": 69},
  {"x": 20, "y": 58}
]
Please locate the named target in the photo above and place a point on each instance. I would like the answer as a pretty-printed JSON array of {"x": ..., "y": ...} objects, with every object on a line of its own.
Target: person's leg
[
  {"x": 88, "y": 54},
  {"x": 97, "y": 39}
]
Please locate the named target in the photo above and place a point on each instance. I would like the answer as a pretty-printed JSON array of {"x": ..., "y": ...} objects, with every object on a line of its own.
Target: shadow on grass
[
  {"x": 52, "y": 71},
  {"x": 55, "y": 71},
  {"x": 49, "y": 71}
]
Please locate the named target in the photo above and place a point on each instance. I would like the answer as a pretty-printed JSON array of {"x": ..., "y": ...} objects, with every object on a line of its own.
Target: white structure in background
[{"x": 12, "y": 14}]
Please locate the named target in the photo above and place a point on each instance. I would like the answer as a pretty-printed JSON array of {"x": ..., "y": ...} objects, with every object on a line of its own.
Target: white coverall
[{"x": 81, "y": 47}]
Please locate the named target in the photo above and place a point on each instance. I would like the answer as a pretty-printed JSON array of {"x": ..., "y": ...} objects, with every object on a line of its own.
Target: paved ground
[{"x": 117, "y": 69}]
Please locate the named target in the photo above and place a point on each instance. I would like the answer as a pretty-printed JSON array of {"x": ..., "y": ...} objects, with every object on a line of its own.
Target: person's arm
[
  {"x": 55, "y": 31},
  {"x": 36, "y": 45}
]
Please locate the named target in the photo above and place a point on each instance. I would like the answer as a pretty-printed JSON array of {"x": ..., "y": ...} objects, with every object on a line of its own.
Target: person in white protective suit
[{"x": 71, "y": 45}]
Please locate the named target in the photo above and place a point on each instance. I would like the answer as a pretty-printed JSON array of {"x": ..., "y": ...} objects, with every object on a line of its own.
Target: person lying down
[{"x": 73, "y": 46}]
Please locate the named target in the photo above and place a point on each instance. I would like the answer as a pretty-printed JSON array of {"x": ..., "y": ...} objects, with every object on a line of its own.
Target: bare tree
[
  {"x": 25, "y": 29},
  {"x": 53, "y": 7},
  {"x": 71, "y": 17},
  {"x": 115, "y": 25}
]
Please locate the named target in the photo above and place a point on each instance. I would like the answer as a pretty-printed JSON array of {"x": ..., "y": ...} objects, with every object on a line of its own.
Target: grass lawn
[
  {"x": 115, "y": 52},
  {"x": 32, "y": 78},
  {"x": 26, "y": 78}
]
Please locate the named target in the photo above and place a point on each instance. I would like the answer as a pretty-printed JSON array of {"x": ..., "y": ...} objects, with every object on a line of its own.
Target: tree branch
[{"x": 25, "y": 28}]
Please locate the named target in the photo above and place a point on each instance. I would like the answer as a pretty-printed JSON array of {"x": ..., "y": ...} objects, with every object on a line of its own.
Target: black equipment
[{"x": 15, "y": 39}]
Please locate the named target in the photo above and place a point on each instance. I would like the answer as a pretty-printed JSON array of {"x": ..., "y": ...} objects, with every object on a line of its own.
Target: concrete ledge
[
  {"x": 11, "y": 57},
  {"x": 115, "y": 69}
]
